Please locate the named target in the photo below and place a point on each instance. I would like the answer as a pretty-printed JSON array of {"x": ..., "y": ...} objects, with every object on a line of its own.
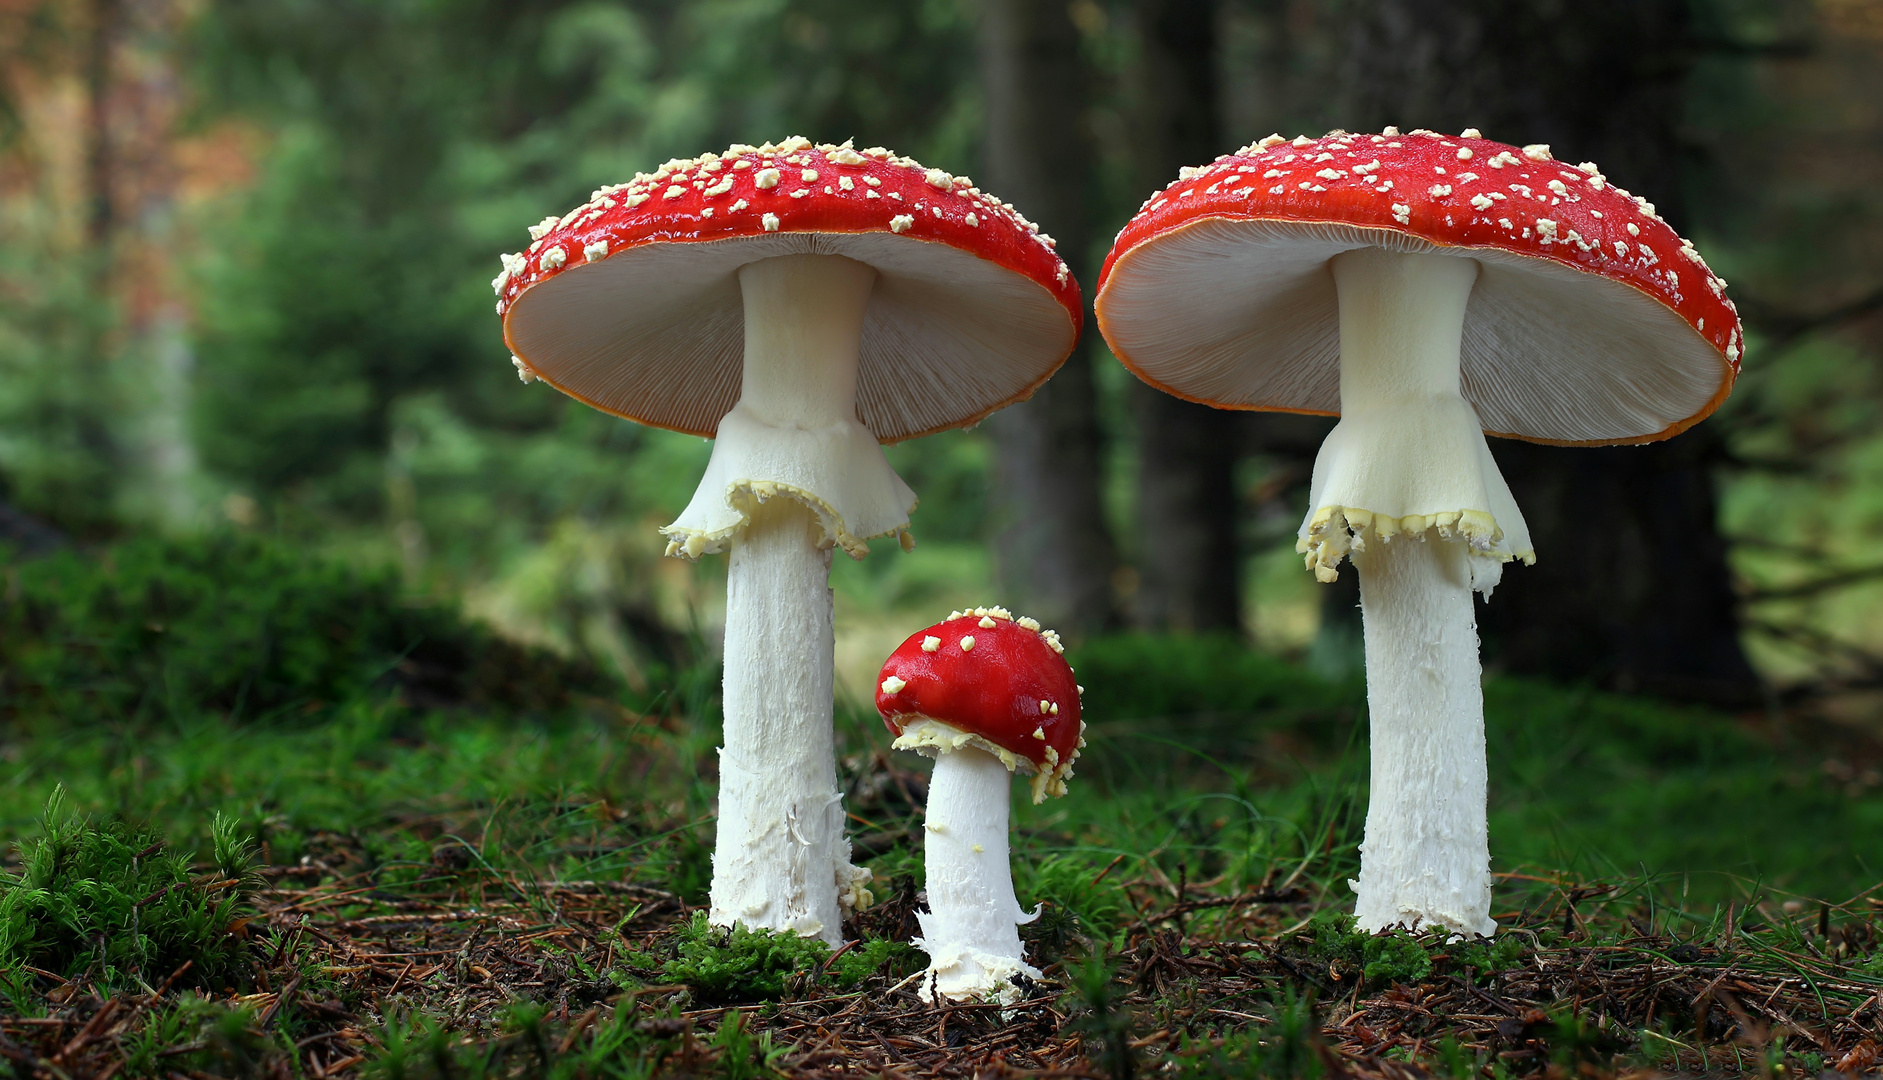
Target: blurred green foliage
[
  {"x": 336, "y": 373},
  {"x": 168, "y": 630},
  {"x": 416, "y": 142},
  {"x": 57, "y": 398},
  {"x": 1136, "y": 676}
]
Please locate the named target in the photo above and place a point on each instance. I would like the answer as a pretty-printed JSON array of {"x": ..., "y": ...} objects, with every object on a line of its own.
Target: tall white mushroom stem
[
  {"x": 781, "y": 860},
  {"x": 1409, "y": 470},
  {"x": 1426, "y": 857},
  {"x": 971, "y": 931}
]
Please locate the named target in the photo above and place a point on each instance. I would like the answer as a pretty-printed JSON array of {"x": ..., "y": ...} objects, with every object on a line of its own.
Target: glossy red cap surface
[
  {"x": 999, "y": 682},
  {"x": 1457, "y": 192},
  {"x": 762, "y": 196}
]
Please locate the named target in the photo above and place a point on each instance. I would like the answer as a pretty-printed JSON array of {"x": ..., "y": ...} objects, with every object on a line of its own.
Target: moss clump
[
  {"x": 628, "y": 1044},
  {"x": 1488, "y": 958},
  {"x": 876, "y": 956},
  {"x": 724, "y": 966},
  {"x": 112, "y": 898},
  {"x": 1395, "y": 956},
  {"x": 1400, "y": 956}
]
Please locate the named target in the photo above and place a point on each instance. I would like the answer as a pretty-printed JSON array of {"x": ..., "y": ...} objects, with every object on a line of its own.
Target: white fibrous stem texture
[
  {"x": 1405, "y": 484},
  {"x": 793, "y": 473},
  {"x": 1426, "y": 859},
  {"x": 971, "y": 931},
  {"x": 780, "y": 861}
]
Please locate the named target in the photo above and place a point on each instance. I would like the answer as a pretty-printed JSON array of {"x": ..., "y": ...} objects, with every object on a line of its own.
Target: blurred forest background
[{"x": 245, "y": 248}]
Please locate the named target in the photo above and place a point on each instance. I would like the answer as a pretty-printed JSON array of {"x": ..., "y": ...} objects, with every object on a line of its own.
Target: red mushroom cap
[
  {"x": 1592, "y": 322},
  {"x": 984, "y": 678},
  {"x": 631, "y": 302}
]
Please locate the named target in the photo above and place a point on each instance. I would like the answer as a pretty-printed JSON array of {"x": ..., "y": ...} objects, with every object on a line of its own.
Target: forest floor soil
[{"x": 473, "y": 973}]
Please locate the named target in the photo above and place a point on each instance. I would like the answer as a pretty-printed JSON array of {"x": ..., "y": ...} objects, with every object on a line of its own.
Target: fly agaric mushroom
[
  {"x": 1427, "y": 290},
  {"x": 800, "y": 304},
  {"x": 985, "y": 695}
]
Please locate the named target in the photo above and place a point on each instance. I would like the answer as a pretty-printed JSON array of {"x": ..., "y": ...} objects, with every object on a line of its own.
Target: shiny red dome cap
[{"x": 987, "y": 679}]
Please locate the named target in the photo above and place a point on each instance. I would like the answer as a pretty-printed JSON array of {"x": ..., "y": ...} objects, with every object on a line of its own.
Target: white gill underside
[
  {"x": 781, "y": 860},
  {"x": 971, "y": 931},
  {"x": 656, "y": 332},
  {"x": 1406, "y": 485},
  {"x": 1548, "y": 352}
]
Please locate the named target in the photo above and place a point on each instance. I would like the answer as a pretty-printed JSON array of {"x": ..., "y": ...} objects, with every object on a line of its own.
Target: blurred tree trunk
[
  {"x": 1189, "y": 570},
  {"x": 1053, "y": 546},
  {"x": 1631, "y": 587},
  {"x": 91, "y": 425},
  {"x": 100, "y": 162}
]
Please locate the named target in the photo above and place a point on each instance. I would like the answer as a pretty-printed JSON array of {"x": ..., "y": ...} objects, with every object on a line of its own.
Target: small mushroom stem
[
  {"x": 1425, "y": 504},
  {"x": 781, "y": 861},
  {"x": 971, "y": 930}
]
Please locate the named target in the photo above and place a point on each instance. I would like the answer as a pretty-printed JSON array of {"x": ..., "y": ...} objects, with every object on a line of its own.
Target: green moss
[
  {"x": 114, "y": 898},
  {"x": 1290, "y": 1047},
  {"x": 1501, "y": 953},
  {"x": 627, "y": 1045},
  {"x": 1395, "y": 956},
  {"x": 737, "y": 965},
  {"x": 876, "y": 956},
  {"x": 740, "y": 964}
]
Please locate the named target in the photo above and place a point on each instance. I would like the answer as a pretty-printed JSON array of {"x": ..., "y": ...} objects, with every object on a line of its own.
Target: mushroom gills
[
  {"x": 971, "y": 931},
  {"x": 1409, "y": 454},
  {"x": 935, "y": 739}
]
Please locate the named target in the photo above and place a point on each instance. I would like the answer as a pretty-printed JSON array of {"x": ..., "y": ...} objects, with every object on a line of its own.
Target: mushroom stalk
[
  {"x": 971, "y": 930},
  {"x": 781, "y": 861},
  {"x": 780, "y": 842},
  {"x": 1407, "y": 483},
  {"x": 1426, "y": 857}
]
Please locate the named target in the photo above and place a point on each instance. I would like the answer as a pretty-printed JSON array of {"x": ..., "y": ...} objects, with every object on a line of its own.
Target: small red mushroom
[
  {"x": 985, "y": 695},
  {"x": 998, "y": 682}
]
